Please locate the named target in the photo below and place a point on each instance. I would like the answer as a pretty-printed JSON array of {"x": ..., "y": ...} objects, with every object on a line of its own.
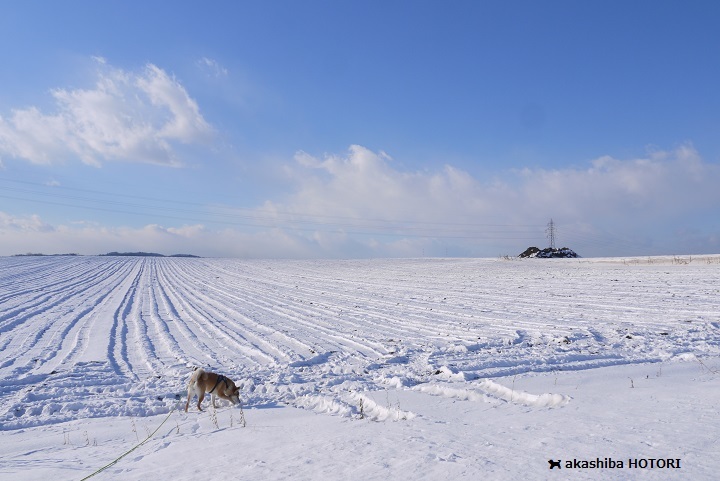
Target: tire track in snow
[
  {"x": 22, "y": 277},
  {"x": 144, "y": 356},
  {"x": 50, "y": 324},
  {"x": 225, "y": 307},
  {"x": 160, "y": 327},
  {"x": 227, "y": 343},
  {"x": 298, "y": 317},
  {"x": 370, "y": 305},
  {"x": 190, "y": 344},
  {"x": 232, "y": 303},
  {"x": 370, "y": 323},
  {"x": 319, "y": 322},
  {"x": 201, "y": 341},
  {"x": 35, "y": 301},
  {"x": 118, "y": 344},
  {"x": 71, "y": 336}
]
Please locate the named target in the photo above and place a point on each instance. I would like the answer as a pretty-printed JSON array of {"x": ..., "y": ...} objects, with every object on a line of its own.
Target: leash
[
  {"x": 112, "y": 463},
  {"x": 241, "y": 421},
  {"x": 131, "y": 450}
]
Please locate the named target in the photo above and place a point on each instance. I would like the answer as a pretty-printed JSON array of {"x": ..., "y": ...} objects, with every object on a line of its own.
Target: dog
[{"x": 216, "y": 384}]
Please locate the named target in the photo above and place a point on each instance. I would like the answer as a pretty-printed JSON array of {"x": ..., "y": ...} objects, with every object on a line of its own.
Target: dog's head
[{"x": 232, "y": 392}]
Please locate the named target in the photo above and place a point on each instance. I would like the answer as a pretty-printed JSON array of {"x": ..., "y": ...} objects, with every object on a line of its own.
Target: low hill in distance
[
  {"x": 122, "y": 254},
  {"x": 38, "y": 254},
  {"x": 145, "y": 254}
]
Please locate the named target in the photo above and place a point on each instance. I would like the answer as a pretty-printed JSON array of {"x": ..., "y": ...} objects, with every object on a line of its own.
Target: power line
[
  {"x": 350, "y": 225},
  {"x": 260, "y": 218},
  {"x": 232, "y": 212}
]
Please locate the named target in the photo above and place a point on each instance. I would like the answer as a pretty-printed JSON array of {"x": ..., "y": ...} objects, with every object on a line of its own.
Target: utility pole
[{"x": 550, "y": 231}]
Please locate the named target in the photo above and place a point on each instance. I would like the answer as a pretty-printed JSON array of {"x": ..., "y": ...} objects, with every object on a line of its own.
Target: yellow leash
[
  {"x": 242, "y": 422},
  {"x": 133, "y": 449}
]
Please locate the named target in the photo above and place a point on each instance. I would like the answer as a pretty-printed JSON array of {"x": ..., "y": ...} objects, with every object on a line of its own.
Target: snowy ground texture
[{"x": 368, "y": 369}]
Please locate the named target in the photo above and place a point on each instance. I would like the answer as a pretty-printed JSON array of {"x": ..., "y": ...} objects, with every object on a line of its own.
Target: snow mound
[
  {"x": 534, "y": 400},
  {"x": 493, "y": 392}
]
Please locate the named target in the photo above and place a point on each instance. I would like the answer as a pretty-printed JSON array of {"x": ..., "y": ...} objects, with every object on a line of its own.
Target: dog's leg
[
  {"x": 201, "y": 396},
  {"x": 212, "y": 396},
  {"x": 190, "y": 393}
]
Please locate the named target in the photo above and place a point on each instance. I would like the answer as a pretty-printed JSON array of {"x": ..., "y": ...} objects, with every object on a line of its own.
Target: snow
[{"x": 360, "y": 369}]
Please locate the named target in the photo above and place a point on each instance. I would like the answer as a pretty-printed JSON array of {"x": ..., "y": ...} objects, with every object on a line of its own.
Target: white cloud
[
  {"x": 663, "y": 185},
  {"x": 127, "y": 116},
  {"x": 31, "y": 234},
  {"x": 613, "y": 205},
  {"x": 22, "y": 225},
  {"x": 212, "y": 67},
  {"x": 364, "y": 185},
  {"x": 361, "y": 205},
  {"x": 185, "y": 123}
]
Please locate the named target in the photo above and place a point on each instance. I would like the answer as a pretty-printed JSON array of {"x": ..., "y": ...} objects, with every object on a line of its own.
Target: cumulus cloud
[
  {"x": 361, "y": 204},
  {"x": 365, "y": 185},
  {"x": 665, "y": 185},
  {"x": 611, "y": 205},
  {"x": 23, "y": 225},
  {"x": 127, "y": 116}
]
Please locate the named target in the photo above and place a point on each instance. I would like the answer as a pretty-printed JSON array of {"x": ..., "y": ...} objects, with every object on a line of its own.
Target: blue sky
[{"x": 359, "y": 129}]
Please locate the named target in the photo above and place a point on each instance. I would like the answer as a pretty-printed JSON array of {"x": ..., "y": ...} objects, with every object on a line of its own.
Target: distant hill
[
  {"x": 31, "y": 254},
  {"x": 549, "y": 253},
  {"x": 144, "y": 254}
]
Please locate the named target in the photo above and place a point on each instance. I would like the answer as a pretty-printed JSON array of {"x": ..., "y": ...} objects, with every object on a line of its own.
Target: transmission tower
[{"x": 550, "y": 231}]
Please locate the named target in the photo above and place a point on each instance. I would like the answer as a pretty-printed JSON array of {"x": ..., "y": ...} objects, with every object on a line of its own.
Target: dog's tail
[{"x": 195, "y": 376}]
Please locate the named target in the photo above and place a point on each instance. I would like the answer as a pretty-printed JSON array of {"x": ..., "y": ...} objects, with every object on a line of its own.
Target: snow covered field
[{"x": 361, "y": 369}]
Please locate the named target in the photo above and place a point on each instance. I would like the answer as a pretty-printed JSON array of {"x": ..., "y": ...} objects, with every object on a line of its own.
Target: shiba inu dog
[{"x": 216, "y": 384}]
